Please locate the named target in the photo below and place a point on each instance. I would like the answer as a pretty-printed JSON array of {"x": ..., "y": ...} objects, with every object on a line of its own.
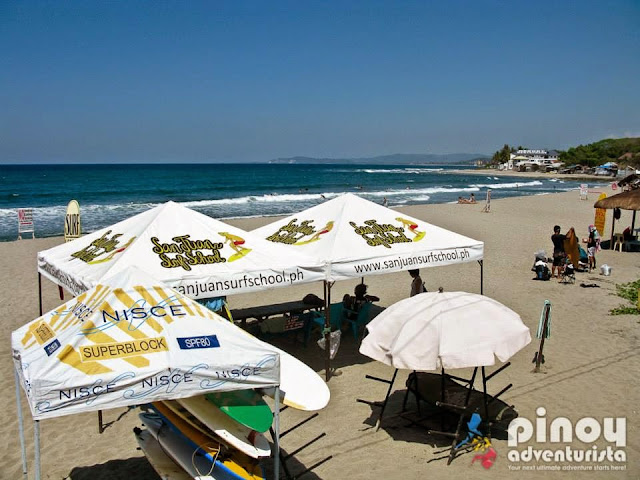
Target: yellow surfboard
[
  {"x": 601, "y": 217},
  {"x": 72, "y": 226}
]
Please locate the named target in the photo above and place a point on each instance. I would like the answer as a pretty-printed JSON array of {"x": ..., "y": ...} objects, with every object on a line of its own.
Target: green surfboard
[{"x": 246, "y": 407}]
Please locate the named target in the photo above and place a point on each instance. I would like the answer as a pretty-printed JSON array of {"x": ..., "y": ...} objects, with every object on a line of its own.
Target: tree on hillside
[
  {"x": 502, "y": 156},
  {"x": 609, "y": 150}
]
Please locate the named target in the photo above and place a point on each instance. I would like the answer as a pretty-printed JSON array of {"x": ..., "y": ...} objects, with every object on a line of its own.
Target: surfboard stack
[{"x": 214, "y": 436}]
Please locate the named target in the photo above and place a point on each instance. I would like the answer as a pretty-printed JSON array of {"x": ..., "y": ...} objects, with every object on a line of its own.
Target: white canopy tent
[
  {"x": 353, "y": 237},
  {"x": 197, "y": 255},
  {"x": 131, "y": 340}
]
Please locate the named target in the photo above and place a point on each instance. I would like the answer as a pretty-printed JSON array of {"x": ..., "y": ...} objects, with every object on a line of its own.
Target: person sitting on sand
[
  {"x": 472, "y": 198},
  {"x": 354, "y": 303}
]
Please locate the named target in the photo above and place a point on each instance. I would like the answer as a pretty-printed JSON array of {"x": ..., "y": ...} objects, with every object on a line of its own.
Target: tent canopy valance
[
  {"x": 198, "y": 255},
  {"x": 353, "y": 237}
]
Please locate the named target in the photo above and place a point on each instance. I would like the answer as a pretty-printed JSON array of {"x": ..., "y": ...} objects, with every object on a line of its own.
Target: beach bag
[
  {"x": 542, "y": 272},
  {"x": 313, "y": 299}
]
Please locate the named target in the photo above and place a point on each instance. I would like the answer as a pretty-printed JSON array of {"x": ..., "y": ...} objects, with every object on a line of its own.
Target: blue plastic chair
[
  {"x": 361, "y": 320},
  {"x": 337, "y": 312}
]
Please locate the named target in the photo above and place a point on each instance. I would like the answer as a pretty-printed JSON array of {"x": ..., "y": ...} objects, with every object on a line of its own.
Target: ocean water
[{"x": 110, "y": 193}]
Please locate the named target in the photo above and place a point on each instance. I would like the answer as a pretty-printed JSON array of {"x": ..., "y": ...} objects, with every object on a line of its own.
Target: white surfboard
[
  {"x": 197, "y": 465},
  {"x": 166, "y": 468},
  {"x": 300, "y": 387},
  {"x": 248, "y": 441}
]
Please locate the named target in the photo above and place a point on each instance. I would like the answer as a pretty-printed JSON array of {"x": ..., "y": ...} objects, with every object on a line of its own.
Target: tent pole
[
  {"x": 36, "y": 441},
  {"x": 276, "y": 440},
  {"x": 21, "y": 424},
  {"x": 481, "y": 277},
  {"x": 327, "y": 329},
  {"x": 40, "y": 291}
]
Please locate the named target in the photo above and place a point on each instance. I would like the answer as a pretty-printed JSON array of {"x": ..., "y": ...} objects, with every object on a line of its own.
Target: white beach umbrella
[{"x": 445, "y": 330}]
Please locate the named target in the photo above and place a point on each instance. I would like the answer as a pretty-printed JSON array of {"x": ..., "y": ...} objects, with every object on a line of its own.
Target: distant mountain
[{"x": 395, "y": 159}]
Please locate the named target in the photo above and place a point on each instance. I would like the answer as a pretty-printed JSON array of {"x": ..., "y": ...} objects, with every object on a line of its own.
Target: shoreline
[
  {"x": 591, "y": 364},
  {"x": 511, "y": 173}
]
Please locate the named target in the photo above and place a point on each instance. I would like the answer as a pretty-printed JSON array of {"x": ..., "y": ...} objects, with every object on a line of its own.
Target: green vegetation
[
  {"x": 609, "y": 150},
  {"x": 502, "y": 155},
  {"x": 628, "y": 291}
]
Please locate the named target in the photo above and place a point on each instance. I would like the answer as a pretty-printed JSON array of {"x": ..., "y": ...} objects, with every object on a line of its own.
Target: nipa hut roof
[{"x": 626, "y": 201}]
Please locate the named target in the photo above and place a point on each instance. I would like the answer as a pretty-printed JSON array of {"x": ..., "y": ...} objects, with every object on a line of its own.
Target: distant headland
[{"x": 394, "y": 159}]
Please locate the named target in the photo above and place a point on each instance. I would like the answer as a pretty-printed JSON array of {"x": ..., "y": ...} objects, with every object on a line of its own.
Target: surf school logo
[
  {"x": 587, "y": 431},
  {"x": 301, "y": 233},
  {"x": 102, "y": 249},
  {"x": 386, "y": 234}
]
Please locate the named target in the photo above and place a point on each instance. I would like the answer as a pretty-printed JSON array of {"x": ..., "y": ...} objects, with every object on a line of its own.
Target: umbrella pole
[
  {"x": 21, "y": 424},
  {"x": 484, "y": 399},
  {"x": 276, "y": 439},
  {"x": 40, "y": 291},
  {"x": 633, "y": 222},
  {"x": 481, "y": 277}
]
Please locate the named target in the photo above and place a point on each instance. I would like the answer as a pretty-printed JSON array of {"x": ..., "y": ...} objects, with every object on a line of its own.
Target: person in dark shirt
[{"x": 558, "y": 252}]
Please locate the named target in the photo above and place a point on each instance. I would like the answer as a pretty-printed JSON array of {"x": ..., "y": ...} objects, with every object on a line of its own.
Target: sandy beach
[{"x": 591, "y": 368}]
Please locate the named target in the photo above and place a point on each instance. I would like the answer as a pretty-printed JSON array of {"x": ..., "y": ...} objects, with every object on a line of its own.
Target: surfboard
[
  {"x": 175, "y": 447},
  {"x": 571, "y": 247},
  {"x": 250, "y": 442},
  {"x": 600, "y": 216},
  {"x": 72, "y": 225},
  {"x": 246, "y": 407},
  {"x": 164, "y": 466},
  {"x": 300, "y": 387},
  {"x": 233, "y": 464}
]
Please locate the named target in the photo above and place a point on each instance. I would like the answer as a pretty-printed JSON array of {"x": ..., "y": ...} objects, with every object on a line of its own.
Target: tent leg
[
  {"x": 481, "y": 277},
  {"x": 100, "y": 424},
  {"x": 21, "y": 425},
  {"x": 40, "y": 291},
  {"x": 276, "y": 440},
  {"x": 36, "y": 441}
]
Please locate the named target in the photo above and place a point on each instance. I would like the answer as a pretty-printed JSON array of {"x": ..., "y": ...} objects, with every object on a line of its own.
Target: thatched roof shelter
[{"x": 625, "y": 201}]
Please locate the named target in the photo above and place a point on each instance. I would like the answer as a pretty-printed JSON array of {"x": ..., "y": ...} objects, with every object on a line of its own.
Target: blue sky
[{"x": 254, "y": 80}]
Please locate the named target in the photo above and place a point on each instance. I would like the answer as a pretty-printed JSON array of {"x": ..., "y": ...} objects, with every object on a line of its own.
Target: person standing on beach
[
  {"x": 558, "y": 252},
  {"x": 417, "y": 285},
  {"x": 592, "y": 245}
]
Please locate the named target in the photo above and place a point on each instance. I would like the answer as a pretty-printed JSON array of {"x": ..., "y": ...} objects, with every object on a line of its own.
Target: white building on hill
[{"x": 526, "y": 159}]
